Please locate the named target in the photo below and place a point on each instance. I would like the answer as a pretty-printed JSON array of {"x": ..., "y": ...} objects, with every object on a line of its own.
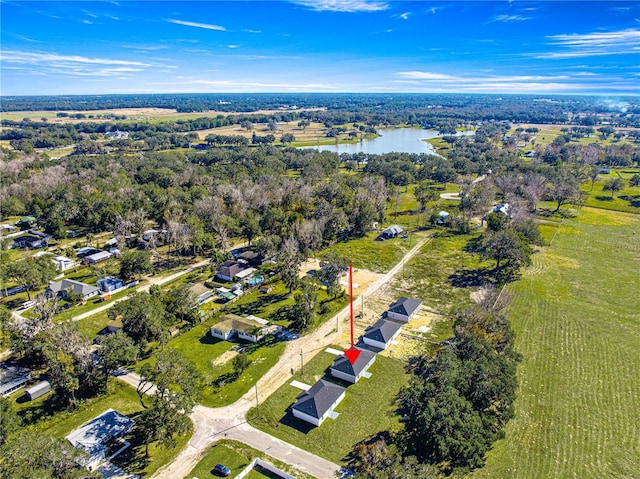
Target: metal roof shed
[{"x": 40, "y": 389}]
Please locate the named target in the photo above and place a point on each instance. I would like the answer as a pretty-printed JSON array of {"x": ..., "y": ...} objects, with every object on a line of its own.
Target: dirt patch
[{"x": 224, "y": 358}]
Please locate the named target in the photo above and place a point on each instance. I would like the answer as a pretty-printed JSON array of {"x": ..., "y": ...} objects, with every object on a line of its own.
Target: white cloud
[
  {"x": 405, "y": 15},
  {"x": 206, "y": 26},
  {"x": 416, "y": 75},
  {"x": 622, "y": 42},
  {"x": 509, "y": 18},
  {"x": 349, "y": 6},
  {"x": 232, "y": 46},
  {"x": 71, "y": 65},
  {"x": 16, "y": 56}
]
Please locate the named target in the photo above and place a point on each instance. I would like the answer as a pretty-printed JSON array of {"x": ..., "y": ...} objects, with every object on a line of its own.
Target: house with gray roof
[
  {"x": 404, "y": 309},
  {"x": 13, "y": 378},
  {"x": 343, "y": 369},
  {"x": 381, "y": 334},
  {"x": 61, "y": 288},
  {"x": 318, "y": 402},
  {"x": 94, "y": 436}
]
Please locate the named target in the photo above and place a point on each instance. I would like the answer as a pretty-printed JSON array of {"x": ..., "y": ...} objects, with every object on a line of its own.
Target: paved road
[
  {"x": 212, "y": 424},
  {"x": 152, "y": 280}
]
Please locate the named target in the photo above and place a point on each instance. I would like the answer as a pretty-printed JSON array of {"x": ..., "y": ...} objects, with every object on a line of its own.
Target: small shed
[{"x": 40, "y": 389}]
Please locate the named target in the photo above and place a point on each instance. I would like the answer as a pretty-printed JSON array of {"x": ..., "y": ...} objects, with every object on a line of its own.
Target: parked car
[{"x": 221, "y": 470}]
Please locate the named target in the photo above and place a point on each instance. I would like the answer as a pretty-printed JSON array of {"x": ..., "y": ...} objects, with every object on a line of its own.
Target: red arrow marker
[{"x": 352, "y": 353}]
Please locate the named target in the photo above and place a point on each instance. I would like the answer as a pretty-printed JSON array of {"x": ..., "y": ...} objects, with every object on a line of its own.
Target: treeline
[
  {"x": 455, "y": 406},
  {"x": 373, "y": 109}
]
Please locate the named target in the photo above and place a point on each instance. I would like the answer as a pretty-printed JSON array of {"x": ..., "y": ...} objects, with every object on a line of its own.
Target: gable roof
[
  {"x": 405, "y": 306},
  {"x": 393, "y": 230},
  {"x": 342, "y": 364},
  {"x": 382, "y": 331},
  {"x": 77, "y": 287},
  {"x": 232, "y": 321},
  {"x": 318, "y": 399}
]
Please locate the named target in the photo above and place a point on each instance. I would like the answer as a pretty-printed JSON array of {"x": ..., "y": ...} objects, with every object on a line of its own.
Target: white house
[
  {"x": 404, "y": 309},
  {"x": 62, "y": 263},
  {"x": 381, "y": 334},
  {"x": 318, "y": 402},
  {"x": 231, "y": 326},
  {"x": 93, "y": 436},
  {"x": 343, "y": 369},
  {"x": 202, "y": 292}
]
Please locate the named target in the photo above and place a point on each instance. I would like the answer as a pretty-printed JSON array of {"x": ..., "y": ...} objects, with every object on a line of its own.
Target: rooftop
[
  {"x": 318, "y": 399},
  {"x": 382, "y": 331},
  {"x": 342, "y": 364},
  {"x": 406, "y": 306},
  {"x": 233, "y": 321},
  {"x": 92, "y": 435}
]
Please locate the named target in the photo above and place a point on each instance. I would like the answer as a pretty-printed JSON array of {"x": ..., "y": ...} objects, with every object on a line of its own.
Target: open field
[
  {"x": 575, "y": 314},
  {"x": 162, "y": 114},
  {"x": 366, "y": 409}
]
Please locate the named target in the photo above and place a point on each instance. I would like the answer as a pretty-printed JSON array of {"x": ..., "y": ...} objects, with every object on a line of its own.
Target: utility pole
[{"x": 301, "y": 362}]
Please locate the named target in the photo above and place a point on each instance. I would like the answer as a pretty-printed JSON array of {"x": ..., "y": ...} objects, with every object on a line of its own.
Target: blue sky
[{"x": 85, "y": 47}]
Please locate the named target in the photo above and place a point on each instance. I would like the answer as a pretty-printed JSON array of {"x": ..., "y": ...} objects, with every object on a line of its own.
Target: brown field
[
  {"x": 312, "y": 133},
  {"x": 131, "y": 114}
]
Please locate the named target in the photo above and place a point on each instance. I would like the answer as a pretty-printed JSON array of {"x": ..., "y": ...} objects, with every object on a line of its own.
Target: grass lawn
[
  {"x": 627, "y": 199},
  {"x": 367, "y": 409},
  {"x": 575, "y": 314},
  {"x": 376, "y": 256},
  {"x": 92, "y": 325},
  {"x": 237, "y": 456},
  {"x": 443, "y": 274},
  {"x": 120, "y": 397}
]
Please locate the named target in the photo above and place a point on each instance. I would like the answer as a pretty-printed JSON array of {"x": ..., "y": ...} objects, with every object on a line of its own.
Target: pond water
[{"x": 406, "y": 140}]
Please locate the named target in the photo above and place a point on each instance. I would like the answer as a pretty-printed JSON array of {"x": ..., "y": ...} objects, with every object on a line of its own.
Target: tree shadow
[
  {"x": 466, "y": 278},
  {"x": 208, "y": 339},
  {"x": 133, "y": 458},
  {"x": 225, "y": 379},
  {"x": 257, "y": 306},
  {"x": 634, "y": 200},
  {"x": 604, "y": 198}
]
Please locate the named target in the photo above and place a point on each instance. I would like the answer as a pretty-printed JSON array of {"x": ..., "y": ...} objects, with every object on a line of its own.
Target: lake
[{"x": 406, "y": 140}]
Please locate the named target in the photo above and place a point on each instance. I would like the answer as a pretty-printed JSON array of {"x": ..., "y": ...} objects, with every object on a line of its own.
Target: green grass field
[
  {"x": 377, "y": 256},
  {"x": 575, "y": 314},
  {"x": 366, "y": 409}
]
